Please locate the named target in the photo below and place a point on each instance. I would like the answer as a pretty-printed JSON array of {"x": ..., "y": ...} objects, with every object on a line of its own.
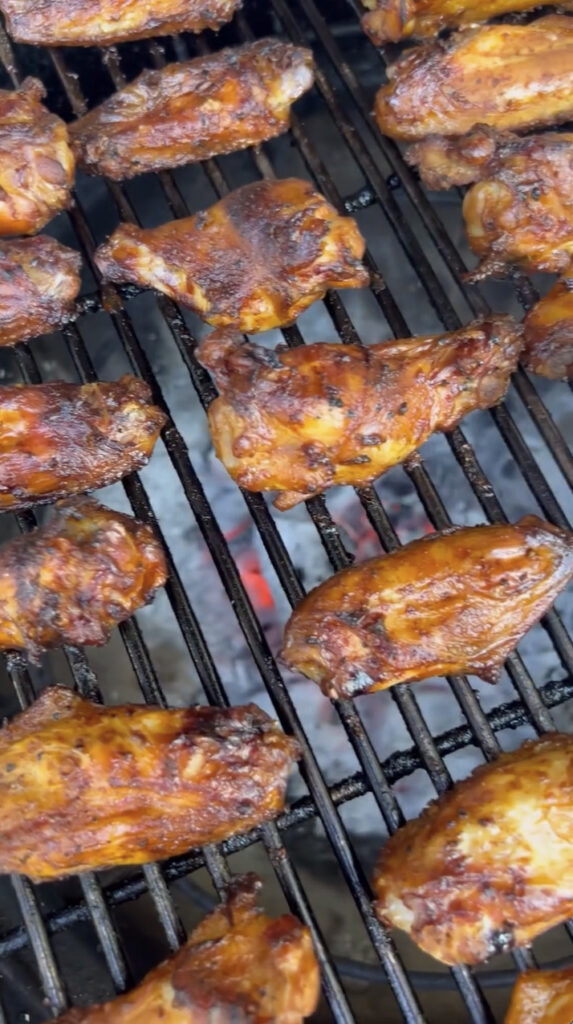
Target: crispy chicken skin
[
  {"x": 453, "y": 602},
  {"x": 59, "y": 439},
  {"x": 542, "y": 997},
  {"x": 255, "y": 260},
  {"x": 301, "y": 420},
  {"x": 72, "y": 581},
  {"x": 36, "y": 163},
  {"x": 39, "y": 280},
  {"x": 88, "y": 22},
  {"x": 489, "y": 865},
  {"x": 389, "y": 21},
  {"x": 548, "y": 334},
  {"x": 187, "y": 112},
  {"x": 237, "y": 967},
  {"x": 512, "y": 77}
]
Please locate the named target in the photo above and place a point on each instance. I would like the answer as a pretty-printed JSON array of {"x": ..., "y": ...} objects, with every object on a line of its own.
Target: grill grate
[{"x": 398, "y": 194}]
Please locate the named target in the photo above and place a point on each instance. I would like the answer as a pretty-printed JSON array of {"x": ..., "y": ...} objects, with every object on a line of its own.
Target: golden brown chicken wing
[
  {"x": 39, "y": 280},
  {"x": 188, "y": 112},
  {"x": 548, "y": 333},
  {"x": 60, "y": 439},
  {"x": 542, "y": 997},
  {"x": 86, "y": 22},
  {"x": 452, "y": 602},
  {"x": 489, "y": 865},
  {"x": 301, "y": 420},
  {"x": 254, "y": 260},
  {"x": 512, "y": 77},
  {"x": 73, "y": 580},
  {"x": 389, "y": 21}
]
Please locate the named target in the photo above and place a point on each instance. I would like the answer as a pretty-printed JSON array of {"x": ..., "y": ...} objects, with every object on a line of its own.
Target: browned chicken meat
[
  {"x": 72, "y": 581},
  {"x": 254, "y": 260},
  {"x": 238, "y": 966},
  {"x": 548, "y": 334},
  {"x": 88, "y": 22},
  {"x": 59, "y": 439},
  {"x": 512, "y": 77},
  {"x": 39, "y": 280},
  {"x": 187, "y": 112},
  {"x": 452, "y": 602},
  {"x": 36, "y": 162},
  {"x": 489, "y": 865},
  {"x": 542, "y": 997},
  {"x": 301, "y": 420},
  {"x": 446, "y": 162},
  {"x": 389, "y": 21}
]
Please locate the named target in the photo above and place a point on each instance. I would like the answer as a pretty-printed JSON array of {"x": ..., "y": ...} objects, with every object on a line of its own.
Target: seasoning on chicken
[
  {"x": 489, "y": 865},
  {"x": 187, "y": 112},
  {"x": 59, "y": 439},
  {"x": 99, "y": 787},
  {"x": 389, "y": 21},
  {"x": 89, "y": 22},
  {"x": 39, "y": 280},
  {"x": 512, "y": 77},
  {"x": 453, "y": 602},
  {"x": 254, "y": 260},
  {"x": 301, "y": 420},
  {"x": 72, "y": 581},
  {"x": 548, "y": 334},
  {"x": 542, "y": 997},
  {"x": 36, "y": 162},
  {"x": 447, "y": 162}
]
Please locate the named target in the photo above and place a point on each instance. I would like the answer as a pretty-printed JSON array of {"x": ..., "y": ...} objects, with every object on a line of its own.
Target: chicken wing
[
  {"x": 542, "y": 997},
  {"x": 389, "y": 21},
  {"x": 452, "y": 602},
  {"x": 301, "y": 420},
  {"x": 36, "y": 162},
  {"x": 447, "y": 162},
  {"x": 72, "y": 581},
  {"x": 548, "y": 334},
  {"x": 254, "y": 260},
  {"x": 512, "y": 77},
  {"x": 489, "y": 865},
  {"x": 187, "y": 112},
  {"x": 39, "y": 280}
]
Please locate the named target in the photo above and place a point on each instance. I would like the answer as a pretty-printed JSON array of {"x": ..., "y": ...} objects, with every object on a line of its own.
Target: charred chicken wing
[
  {"x": 188, "y": 112},
  {"x": 512, "y": 77},
  {"x": 489, "y": 865},
  {"x": 453, "y": 602},
  {"x": 72, "y": 581},
  {"x": 254, "y": 260},
  {"x": 548, "y": 334},
  {"x": 389, "y": 21},
  {"x": 98, "y": 787},
  {"x": 542, "y": 997},
  {"x": 39, "y": 280},
  {"x": 301, "y": 420}
]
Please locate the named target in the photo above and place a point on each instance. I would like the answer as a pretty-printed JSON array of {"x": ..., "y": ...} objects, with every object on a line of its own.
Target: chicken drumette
[{"x": 39, "y": 280}]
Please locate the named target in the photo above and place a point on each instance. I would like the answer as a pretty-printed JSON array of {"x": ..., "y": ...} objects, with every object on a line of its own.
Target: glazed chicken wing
[
  {"x": 72, "y": 581},
  {"x": 98, "y": 787},
  {"x": 254, "y": 260},
  {"x": 548, "y": 334},
  {"x": 187, "y": 112},
  {"x": 542, "y": 997},
  {"x": 389, "y": 21},
  {"x": 452, "y": 602},
  {"x": 39, "y": 280},
  {"x": 301, "y": 420},
  {"x": 512, "y": 77},
  {"x": 489, "y": 865}
]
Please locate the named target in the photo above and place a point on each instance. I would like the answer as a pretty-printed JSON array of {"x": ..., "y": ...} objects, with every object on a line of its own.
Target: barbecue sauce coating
[
  {"x": 72, "y": 581},
  {"x": 489, "y": 865},
  {"x": 182, "y": 113},
  {"x": 389, "y": 21},
  {"x": 453, "y": 602},
  {"x": 301, "y": 420},
  {"x": 548, "y": 334},
  {"x": 39, "y": 280},
  {"x": 84, "y": 787},
  {"x": 542, "y": 997},
  {"x": 254, "y": 260}
]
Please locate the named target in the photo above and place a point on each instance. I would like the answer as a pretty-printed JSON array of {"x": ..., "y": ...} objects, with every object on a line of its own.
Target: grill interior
[{"x": 417, "y": 259}]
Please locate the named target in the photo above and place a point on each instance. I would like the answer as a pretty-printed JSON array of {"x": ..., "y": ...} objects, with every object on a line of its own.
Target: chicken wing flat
[
  {"x": 301, "y": 420},
  {"x": 548, "y": 334},
  {"x": 453, "y": 602},
  {"x": 60, "y": 439},
  {"x": 36, "y": 163},
  {"x": 255, "y": 260},
  {"x": 39, "y": 281},
  {"x": 489, "y": 865},
  {"x": 72, "y": 581},
  {"x": 187, "y": 112},
  {"x": 99, "y": 787},
  {"x": 389, "y": 21},
  {"x": 542, "y": 997},
  {"x": 512, "y": 77}
]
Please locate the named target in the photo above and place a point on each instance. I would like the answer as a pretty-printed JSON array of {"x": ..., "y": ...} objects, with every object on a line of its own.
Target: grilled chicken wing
[
  {"x": 453, "y": 602},
  {"x": 489, "y": 865},
  {"x": 39, "y": 280},
  {"x": 36, "y": 162},
  {"x": 188, "y": 112},
  {"x": 446, "y": 162},
  {"x": 75, "y": 579},
  {"x": 542, "y": 997},
  {"x": 60, "y": 439},
  {"x": 389, "y": 21},
  {"x": 254, "y": 260},
  {"x": 99, "y": 787},
  {"x": 299, "y": 421},
  {"x": 548, "y": 334},
  {"x": 512, "y": 77}
]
